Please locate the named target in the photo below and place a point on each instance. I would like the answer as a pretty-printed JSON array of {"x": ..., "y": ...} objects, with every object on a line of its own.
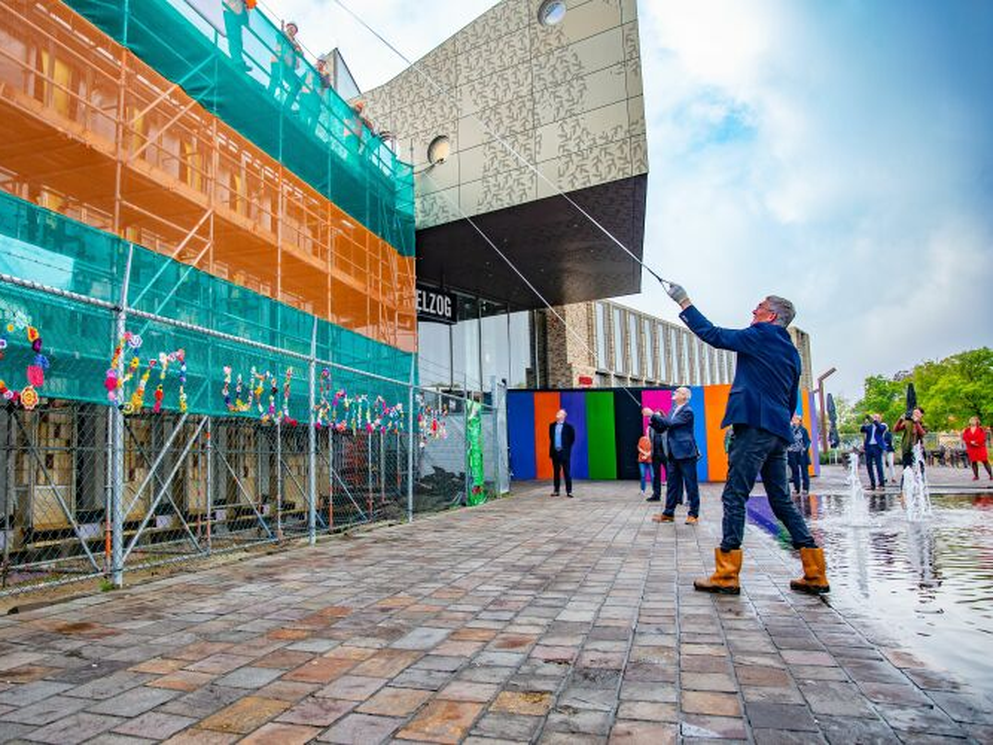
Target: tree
[{"x": 950, "y": 391}]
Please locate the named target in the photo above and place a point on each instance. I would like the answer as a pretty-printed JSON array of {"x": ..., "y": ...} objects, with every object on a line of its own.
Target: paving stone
[
  {"x": 920, "y": 720},
  {"x": 464, "y": 690},
  {"x": 361, "y": 728},
  {"x": 352, "y": 688},
  {"x": 316, "y": 712},
  {"x": 513, "y": 727},
  {"x": 74, "y": 729},
  {"x": 847, "y": 730},
  {"x": 134, "y": 702},
  {"x": 643, "y": 733},
  {"x": 427, "y": 680},
  {"x": 203, "y": 702},
  {"x": 245, "y": 715},
  {"x": 249, "y": 677},
  {"x": 712, "y": 727},
  {"x": 533, "y": 703},
  {"x": 29, "y": 693},
  {"x": 394, "y": 701},
  {"x": 780, "y": 716},
  {"x": 423, "y": 638},
  {"x": 709, "y": 702},
  {"x": 275, "y": 733},
  {"x": 707, "y": 682},
  {"x": 578, "y": 721},
  {"x": 442, "y": 721},
  {"x": 48, "y": 710},
  {"x": 182, "y": 680},
  {"x": 650, "y": 711},
  {"x": 155, "y": 725},
  {"x": 785, "y": 737}
]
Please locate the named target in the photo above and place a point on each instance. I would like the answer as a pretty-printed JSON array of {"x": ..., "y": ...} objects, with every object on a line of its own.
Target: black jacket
[{"x": 568, "y": 439}]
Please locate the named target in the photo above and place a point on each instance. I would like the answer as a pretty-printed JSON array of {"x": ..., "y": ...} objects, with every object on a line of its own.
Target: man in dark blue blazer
[
  {"x": 561, "y": 438},
  {"x": 682, "y": 452},
  {"x": 761, "y": 403}
]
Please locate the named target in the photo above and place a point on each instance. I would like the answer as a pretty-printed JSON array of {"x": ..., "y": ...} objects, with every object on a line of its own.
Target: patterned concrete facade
[{"x": 566, "y": 97}]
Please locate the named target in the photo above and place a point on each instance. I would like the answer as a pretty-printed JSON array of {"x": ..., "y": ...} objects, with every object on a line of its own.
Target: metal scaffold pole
[
  {"x": 312, "y": 443},
  {"x": 117, "y": 439},
  {"x": 210, "y": 484}
]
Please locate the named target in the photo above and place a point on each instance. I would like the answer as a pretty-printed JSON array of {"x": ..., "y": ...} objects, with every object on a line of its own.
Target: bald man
[{"x": 561, "y": 437}]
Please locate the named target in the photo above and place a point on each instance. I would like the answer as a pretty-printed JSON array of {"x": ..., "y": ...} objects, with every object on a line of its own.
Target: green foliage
[{"x": 950, "y": 390}]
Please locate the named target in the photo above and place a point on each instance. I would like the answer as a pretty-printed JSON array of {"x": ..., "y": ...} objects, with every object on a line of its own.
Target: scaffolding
[{"x": 90, "y": 130}]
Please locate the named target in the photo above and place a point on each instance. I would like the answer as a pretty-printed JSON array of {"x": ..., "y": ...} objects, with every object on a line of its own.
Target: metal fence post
[
  {"x": 495, "y": 413},
  {"x": 210, "y": 483},
  {"x": 312, "y": 444},
  {"x": 117, "y": 438},
  {"x": 413, "y": 440}
]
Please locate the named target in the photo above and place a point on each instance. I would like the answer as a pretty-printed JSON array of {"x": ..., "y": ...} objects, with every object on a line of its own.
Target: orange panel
[
  {"x": 546, "y": 405},
  {"x": 715, "y": 401},
  {"x": 64, "y": 82}
]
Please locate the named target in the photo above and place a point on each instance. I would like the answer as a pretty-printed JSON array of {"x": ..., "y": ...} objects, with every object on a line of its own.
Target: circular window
[
  {"x": 551, "y": 12},
  {"x": 439, "y": 149}
]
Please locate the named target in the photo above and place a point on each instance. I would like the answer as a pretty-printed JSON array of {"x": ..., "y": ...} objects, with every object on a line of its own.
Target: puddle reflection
[{"x": 930, "y": 582}]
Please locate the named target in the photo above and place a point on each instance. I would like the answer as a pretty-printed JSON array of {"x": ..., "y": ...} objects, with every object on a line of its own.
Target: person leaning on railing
[{"x": 284, "y": 66}]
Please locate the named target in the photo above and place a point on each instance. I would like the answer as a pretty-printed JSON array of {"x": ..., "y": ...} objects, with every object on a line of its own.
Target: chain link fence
[{"x": 121, "y": 459}]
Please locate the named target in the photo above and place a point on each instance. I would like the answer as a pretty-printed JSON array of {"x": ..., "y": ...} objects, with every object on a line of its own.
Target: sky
[{"x": 837, "y": 153}]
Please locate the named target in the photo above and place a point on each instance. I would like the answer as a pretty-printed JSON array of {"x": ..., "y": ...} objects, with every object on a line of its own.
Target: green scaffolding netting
[
  {"x": 241, "y": 68},
  {"x": 78, "y": 338}
]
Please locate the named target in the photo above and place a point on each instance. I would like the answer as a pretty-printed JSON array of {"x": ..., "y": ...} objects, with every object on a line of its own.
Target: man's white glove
[{"x": 677, "y": 292}]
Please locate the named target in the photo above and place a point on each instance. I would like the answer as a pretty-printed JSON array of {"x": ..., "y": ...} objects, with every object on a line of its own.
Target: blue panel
[
  {"x": 575, "y": 405},
  {"x": 520, "y": 434},
  {"x": 700, "y": 431}
]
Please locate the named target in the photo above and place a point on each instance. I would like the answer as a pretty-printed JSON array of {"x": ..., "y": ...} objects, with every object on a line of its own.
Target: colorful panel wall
[{"x": 608, "y": 424}]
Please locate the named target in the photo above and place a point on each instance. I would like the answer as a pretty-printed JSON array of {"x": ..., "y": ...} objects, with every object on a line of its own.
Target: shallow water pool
[{"x": 930, "y": 583}]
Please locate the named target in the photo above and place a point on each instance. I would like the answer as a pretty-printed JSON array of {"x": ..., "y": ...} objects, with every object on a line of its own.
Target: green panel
[
  {"x": 600, "y": 435},
  {"x": 78, "y": 339},
  {"x": 280, "y": 108}
]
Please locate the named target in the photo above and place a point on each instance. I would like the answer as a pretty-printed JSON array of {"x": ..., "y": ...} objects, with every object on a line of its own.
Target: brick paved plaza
[{"x": 528, "y": 619}]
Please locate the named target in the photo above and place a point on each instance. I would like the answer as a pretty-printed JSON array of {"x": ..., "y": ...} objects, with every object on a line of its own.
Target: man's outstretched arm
[{"x": 737, "y": 340}]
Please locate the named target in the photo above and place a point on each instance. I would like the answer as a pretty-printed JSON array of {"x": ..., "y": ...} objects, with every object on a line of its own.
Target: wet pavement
[{"x": 530, "y": 619}]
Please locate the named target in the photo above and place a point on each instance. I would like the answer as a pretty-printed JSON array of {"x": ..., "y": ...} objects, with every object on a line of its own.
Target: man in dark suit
[
  {"x": 681, "y": 464},
  {"x": 761, "y": 403},
  {"x": 874, "y": 444},
  {"x": 561, "y": 437}
]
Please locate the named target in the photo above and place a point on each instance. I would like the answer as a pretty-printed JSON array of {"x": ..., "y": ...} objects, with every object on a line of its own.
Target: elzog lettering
[{"x": 435, "y": 304}]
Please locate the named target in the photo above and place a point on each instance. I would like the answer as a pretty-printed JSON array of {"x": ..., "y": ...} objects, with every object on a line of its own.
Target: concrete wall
[{"x": 567, "y": 97}]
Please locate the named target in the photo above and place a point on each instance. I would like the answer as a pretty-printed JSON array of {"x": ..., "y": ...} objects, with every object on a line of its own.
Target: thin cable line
[{"x": 442, "y": 90}]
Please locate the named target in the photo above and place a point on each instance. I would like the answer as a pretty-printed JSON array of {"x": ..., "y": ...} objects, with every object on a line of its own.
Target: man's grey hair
[
  {"x": 783, "y": 308},
  {"x": 689, "y": 393}
]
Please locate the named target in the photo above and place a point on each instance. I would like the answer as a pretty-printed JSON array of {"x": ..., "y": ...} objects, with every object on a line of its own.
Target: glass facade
[
  {"x": 487, "y": 344},
  {"x": 620, "y": 363},
  {"x": 600, "y": 324},
  {"x": 651, "y": 370},
  {"x": 634, "y": 345}
]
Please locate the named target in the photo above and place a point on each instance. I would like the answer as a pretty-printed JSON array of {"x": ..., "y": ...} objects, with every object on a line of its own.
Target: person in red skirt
[{"x": 974, "y": 437}]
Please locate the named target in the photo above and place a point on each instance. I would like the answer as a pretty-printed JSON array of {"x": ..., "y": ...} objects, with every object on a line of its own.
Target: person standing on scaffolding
[
  {"x": 284, "y": 65},
  {"x": 762, "y": 401},
  {"x": 235, "y": 19}
]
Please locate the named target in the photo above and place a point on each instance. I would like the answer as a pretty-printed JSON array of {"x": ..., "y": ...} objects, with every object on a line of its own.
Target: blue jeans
[
  {"x": 646, "y": 474},
  {"x": 874, "y": 460},
  {"x": 682, "y": 472},
  {"x": 754, "y": 451}
]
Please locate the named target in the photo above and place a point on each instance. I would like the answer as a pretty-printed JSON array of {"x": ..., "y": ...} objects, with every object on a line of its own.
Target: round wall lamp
[
  {"x": 551, "y": 12},
  {"x": 439, "y": 150}
]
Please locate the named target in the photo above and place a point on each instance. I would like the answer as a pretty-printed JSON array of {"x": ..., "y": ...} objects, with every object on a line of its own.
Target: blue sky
[{"x": 837, "y": 153}]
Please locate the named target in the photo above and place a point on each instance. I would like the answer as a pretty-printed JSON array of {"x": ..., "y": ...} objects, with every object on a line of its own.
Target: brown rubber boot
[
  {"x": 724, "y": 580},
  {"x": 814, "y": 580}
]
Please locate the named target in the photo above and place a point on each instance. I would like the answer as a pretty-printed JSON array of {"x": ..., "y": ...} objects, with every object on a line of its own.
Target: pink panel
[{"x": 656, "y": 400}]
